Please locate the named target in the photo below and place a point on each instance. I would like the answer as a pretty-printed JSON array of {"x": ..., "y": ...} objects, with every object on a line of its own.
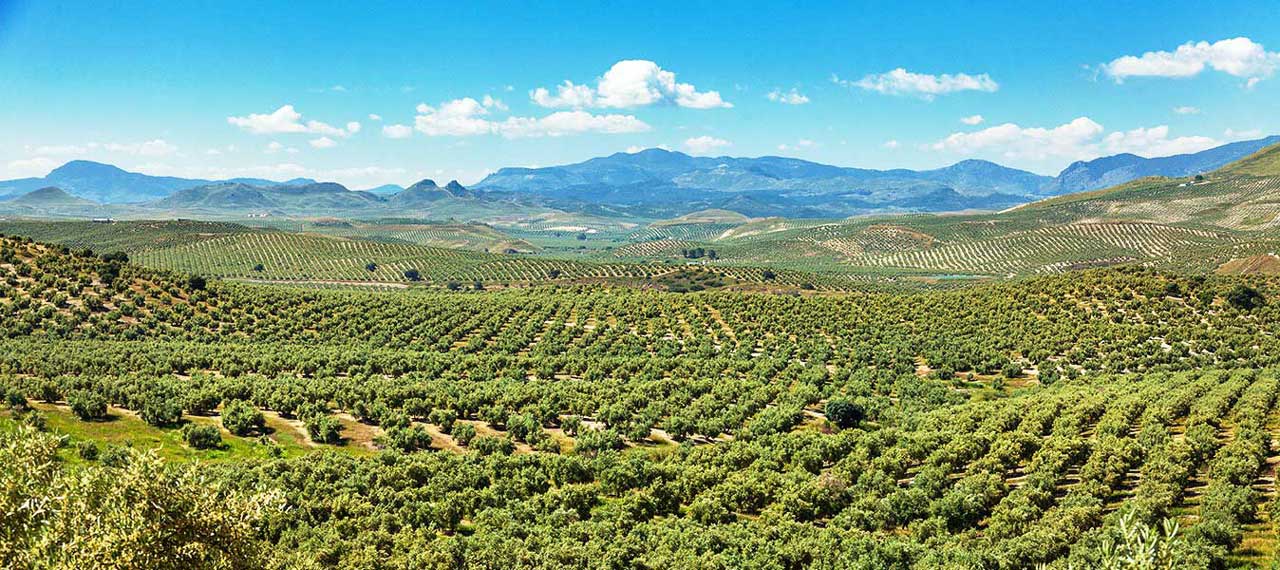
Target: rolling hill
[
  {"x": 1113, "y": 170},
  {"x": 50, "y": 198}
]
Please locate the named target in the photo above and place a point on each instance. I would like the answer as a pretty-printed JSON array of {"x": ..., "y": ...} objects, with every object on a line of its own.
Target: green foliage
[
  {"x": 161, "y": 412},
  {"x": 845, "y": 414},
  {"x": 87, "y": 405},
  {"x": 138, "y": 515},
  {"x": 1245, "y": 298},
  {"x": 323, "y": 428},
  {"x": 242, "y": 419},
  {"x": 202, "y": 436}
]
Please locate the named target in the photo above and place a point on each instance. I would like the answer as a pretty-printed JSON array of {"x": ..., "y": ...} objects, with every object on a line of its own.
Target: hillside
[
  {"x": 616, "y": 423},
  {"x": 50, "y": 198},
  {"x": 1119, "y": 169}
]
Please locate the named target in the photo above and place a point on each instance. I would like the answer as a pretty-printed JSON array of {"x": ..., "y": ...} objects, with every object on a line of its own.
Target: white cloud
[
  {"x": 1080, "y": 139},
  {"x": 792, "y": 97},
  {"x": 1247, "y": 134},
  {"x": 1186, "y": 110},
  {"x": 567, "y": 95},
  {"x": 891, "y": 144},
  {"x": 902, "y": 82},
  {"x": 322, "y": 142},
  {"x": 397, "y": 131},
  {"x": 157, "y": 147},
  {"x": 375, "y": 117},
  {"x": 637, "y": 148},
  {"x": 800, "y": 144},
  {"x": 274, "y": 147},
  {"x": 972, "y": 120},
  {"x": 30, "y": 167},
  {"x": 705, "y": 144},
  {"x": 468, "y": 117},
  {"x": 459, "y": 117},
  {"x": 570, "y": 122},
  {"x": 63, "y": 149},
  {"x": 213, "y": 152},
  {"x": 1013, "y": 141},
  {"x": 629, "y": 83},
  {"x": 1238, "y": 57},
  {"x": 287, "y": 120},
  {"x": 1155, "y": 141}
]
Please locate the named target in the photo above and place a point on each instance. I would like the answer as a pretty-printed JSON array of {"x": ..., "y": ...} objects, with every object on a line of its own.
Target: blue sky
[{"x": 448, "y": 90}]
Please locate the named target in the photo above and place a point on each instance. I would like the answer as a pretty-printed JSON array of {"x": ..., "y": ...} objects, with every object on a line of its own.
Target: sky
[{"x": 369, "y": 93}]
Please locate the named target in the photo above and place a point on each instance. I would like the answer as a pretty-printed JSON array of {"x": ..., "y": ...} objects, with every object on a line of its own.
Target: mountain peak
[
  {"x": 50, "y": 196},
  {"x": 80, "y": 168}
]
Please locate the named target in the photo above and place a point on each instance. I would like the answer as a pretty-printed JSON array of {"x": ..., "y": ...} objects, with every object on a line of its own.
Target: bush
[
  {"x": 493, "y": 445},
  {"x": 591, "y": 442},
  {"x": 324, "y": 429},
  {"x": 406, "y": 439},
  {"x": 464, "y": 434},
  {"x": 242, "y": 419},
  {"x": 202, "y": 436},
  {"x": 87, "y": 450},
  {"x": 1245, "y": 298},
  {"x": 1012, "y": 370},
  {"x": 845, "y": 414},
  {"x": 161, "y": 412},
  {"x": 196, "y": 283},
  {"x": 444, "y": 418},
  {"x": 87, "y": 405},
  {"x": 14, "y": 399},
  {"x": 412, "y": 275}
]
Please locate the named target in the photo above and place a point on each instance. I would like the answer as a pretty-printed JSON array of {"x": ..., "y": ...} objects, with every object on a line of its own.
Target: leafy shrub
[
  {"x": 201, "y": 436},
  {"x": 464, "y": 434},
  {"x": 161, "y": 412},
  {"x": 845, "y": 414},
  {"x": 241, "y": 418},
  {"x": 87, "y": 405},
  {"x": 324, "y": 429}
]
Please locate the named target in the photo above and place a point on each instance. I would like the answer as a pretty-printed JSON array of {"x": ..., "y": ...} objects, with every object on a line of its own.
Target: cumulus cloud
[
  {"x": 30, "y": 167},
  {"x": 469, "y": 117},
  {"x": 287, "y": 120},
  {"x": 570, "y": 122},
  {"x": 397, "y": 131},
  {"x": 1155, "y": 141},
  {"x": 1014, "y": 141},
  {"x": 792, "y": 97},
  {"x": 375, "y": 117},
  {"x": 629, "y": 83},
  {"x": 157, "y": 147},
  {"x": 322, "y": 142},
  {"x": 1239, "y": 57},
  {"x": 705, "y": 144},
  {"x": 1186, "y": 110},
  {"x": 274, "y": 147},
  {"x": 1247, "y": 134},
  {"x": 925, "y": 86},
  {"x": 1080, "y": 139},
  {"x": 972, "y": 120},
  {"x": 891, "y": 144}
]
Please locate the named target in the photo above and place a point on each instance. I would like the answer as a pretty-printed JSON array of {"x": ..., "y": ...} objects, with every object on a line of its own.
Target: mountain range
[
  {"x": 653, "y": 183},
  {"x": 107, "y": 184}
]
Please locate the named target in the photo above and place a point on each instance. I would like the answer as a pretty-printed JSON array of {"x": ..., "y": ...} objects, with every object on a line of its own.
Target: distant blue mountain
[
  {"x": 729, "y": 174},
  {"x": 386, "y": 189},
  {"x": 1112, "y": 170},
  {"x": 107, "y": 184}
]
